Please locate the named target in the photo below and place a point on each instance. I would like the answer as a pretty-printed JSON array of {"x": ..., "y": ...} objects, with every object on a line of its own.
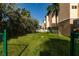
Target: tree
[
  {"x": 19, "y": 21},
  {"x": 29, "y": 23},
  {"x": 1, "y": 16},
  {"x": 1, "y": 11},
  {"x": 54, "y": 9},
  {"x": 24, "y": 12}
]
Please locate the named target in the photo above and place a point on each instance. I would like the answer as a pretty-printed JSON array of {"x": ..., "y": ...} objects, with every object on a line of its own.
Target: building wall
[
  {"x": 47, "y": 22},
  {"x": 64, "y": 12},
  {"x": 73, "y": 12},
  {"x": 64, "y": 27},
  {"x": 66, "y": 16},
  {"x": 78, "y": 11},
  {"x": 50, "y": 19},
  {"x": 53, "y": 19},
  {"x": 63, "y": 19}
]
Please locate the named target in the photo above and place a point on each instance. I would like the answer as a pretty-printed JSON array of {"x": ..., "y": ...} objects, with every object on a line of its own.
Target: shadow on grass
[
  {"x": 21, "y": 47},
  {"x": 22, "y": 51},
  {"x": 56, "y": 47}
]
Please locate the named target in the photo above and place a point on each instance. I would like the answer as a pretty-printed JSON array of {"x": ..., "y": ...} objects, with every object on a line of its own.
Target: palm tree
[{"x": 54, "y": 9}]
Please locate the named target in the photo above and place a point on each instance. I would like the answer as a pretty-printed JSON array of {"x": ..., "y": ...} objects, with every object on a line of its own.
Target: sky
[{"x": 37, "y": 10}]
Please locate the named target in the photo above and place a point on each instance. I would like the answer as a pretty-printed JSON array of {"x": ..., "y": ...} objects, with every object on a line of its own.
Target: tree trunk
[{"x": 56, "y": 24}]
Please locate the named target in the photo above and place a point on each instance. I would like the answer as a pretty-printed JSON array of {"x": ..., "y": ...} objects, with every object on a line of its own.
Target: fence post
[
  {"x": 5, "y": 43},
  {"x": 73, "y": 43}
]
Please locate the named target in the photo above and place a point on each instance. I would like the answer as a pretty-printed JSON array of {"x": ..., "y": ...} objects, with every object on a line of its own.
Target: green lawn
[{"x": 36, "y": 44}]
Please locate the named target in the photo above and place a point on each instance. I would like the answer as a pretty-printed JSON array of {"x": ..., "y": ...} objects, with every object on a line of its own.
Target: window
[{"x": 74, "y": 7}]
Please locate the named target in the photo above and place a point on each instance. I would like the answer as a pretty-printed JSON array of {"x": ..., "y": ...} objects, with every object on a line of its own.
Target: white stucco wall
[
  {"x": 47, "y": 22},
  {"x": 53, "y": 19},
  {"x": 73, "y": 12}
]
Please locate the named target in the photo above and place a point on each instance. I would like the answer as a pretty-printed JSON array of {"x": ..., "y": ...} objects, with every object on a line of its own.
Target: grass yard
[{"x": 38, "y": 44}]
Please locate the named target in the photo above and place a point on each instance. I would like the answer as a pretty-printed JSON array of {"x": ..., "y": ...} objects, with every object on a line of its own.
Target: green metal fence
[
  {"x": 76, "y": 40},
  {"x": 10, "y": 49},
  {"x": 74, "y": 48},
  {"x": 3, "y": 48}
]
